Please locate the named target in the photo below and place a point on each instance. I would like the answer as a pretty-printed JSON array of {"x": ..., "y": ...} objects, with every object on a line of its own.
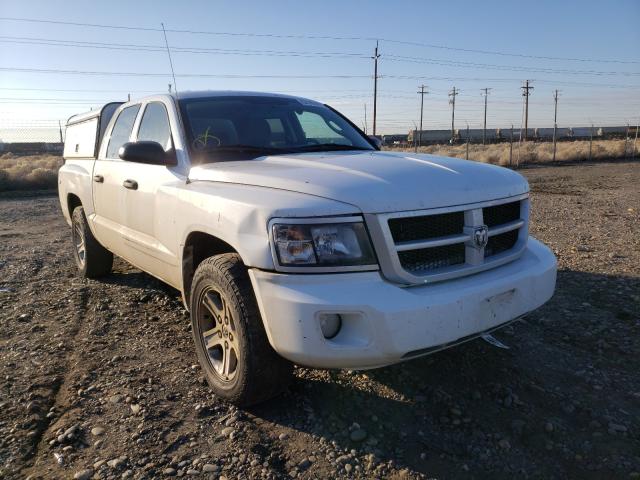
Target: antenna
[
  {"x": 164, "y": 32},
  {"x": 175, "y": 85}
]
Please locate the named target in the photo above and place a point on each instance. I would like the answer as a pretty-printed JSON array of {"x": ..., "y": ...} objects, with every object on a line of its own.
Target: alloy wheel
[{"x": 218, "y": 333}]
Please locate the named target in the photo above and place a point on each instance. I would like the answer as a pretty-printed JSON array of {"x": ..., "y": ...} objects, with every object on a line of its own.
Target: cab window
[
  {"x": 155, "y": 125},
  {"x": 122, "y": 130}
]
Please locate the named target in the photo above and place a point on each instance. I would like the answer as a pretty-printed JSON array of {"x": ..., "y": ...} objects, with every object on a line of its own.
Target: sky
[{"x": 588, "y": 50}]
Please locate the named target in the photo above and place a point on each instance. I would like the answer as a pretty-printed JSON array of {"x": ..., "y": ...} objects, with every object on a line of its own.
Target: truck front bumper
[{"x": 383, "y": 323}]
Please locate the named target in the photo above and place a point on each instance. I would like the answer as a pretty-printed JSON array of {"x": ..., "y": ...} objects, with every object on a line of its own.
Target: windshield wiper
[{"x": 320, "y": 147}]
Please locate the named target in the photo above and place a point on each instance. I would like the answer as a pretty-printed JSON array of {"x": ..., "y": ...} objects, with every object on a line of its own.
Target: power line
[
  {"x": 148, "y": 74},
  {"x": 398, "y": 77},
  {"x": 76, "y": 90},
  {"x": 294, "y": 53},
  {"x": 504, "y": 80},
  {"x": 53, "y": 99},
  {"x": 160, "y": 48},
  {"x": 323, "y": 37},
  {"x": 490, "y": 66}
]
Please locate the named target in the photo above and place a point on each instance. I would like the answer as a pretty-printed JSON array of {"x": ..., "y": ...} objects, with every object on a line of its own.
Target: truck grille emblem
[{"x": 480, "y": 236}]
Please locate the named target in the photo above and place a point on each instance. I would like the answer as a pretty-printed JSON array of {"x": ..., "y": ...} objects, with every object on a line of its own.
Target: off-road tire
[
  {"x": 97, "y": 261},
  {"x": 260, "y": 373}
]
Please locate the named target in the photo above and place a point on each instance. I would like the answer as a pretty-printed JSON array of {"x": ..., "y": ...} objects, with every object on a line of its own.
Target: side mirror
[
  {"x": 377, "y": 142},
  {"x": 147, "y": 152}
]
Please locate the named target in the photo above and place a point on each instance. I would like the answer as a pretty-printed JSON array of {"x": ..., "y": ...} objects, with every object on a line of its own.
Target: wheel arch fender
[{"x": 198, "y": 245}]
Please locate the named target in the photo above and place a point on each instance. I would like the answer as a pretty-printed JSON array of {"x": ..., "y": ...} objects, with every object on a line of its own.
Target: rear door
[{"x": 109, "y": 175}]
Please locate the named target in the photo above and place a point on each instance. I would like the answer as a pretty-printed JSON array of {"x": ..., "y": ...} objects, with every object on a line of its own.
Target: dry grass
[
  {"x": 35, "y": 172},
  {"x": 533, "y": 152},
  {"x": 39, "y": 172}
]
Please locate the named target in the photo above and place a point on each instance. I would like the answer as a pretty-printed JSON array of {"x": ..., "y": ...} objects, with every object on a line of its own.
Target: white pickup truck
[{"x": 293, "y": 238}]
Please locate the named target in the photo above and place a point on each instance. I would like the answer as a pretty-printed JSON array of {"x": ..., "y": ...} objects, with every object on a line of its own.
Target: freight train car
[
  {"x": 475, "y": 134},
  {"x": 612, "y": 132},
  {"x": 429, "y": 136},
  {"x": 546, "y": 134},
  {"x": 395, "y": 139}
]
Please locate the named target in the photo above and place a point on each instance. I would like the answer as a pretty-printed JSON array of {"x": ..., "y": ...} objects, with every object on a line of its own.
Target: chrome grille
[
  {"x": 426, "y": 226},
  {"x": 501, "y": 243},
  {"x": 432, "y": 258},
  {"x": 501, "y": 214},
  {"x": 420, "y": 247}
]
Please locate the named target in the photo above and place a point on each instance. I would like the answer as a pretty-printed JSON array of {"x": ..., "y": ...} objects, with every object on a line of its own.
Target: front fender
[{"x": 239, "y": 215}]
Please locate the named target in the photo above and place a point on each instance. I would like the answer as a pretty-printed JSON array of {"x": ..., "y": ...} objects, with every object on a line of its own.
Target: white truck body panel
[
  {"x": 376, "y": 182},
  {"x": 384, "y": 324},
  {"x": 384, "y": 321}
]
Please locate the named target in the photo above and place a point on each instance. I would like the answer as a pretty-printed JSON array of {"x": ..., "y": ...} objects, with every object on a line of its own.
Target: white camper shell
[{"x": 84, "y": 132}]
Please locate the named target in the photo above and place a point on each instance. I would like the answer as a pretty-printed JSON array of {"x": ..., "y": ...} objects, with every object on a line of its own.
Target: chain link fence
[
  {"x": 33, "y": 137},
  {"x": 518, "y": 154}
]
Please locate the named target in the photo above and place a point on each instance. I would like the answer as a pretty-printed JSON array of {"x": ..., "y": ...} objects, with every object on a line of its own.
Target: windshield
[{"x": 244, "y": 127}]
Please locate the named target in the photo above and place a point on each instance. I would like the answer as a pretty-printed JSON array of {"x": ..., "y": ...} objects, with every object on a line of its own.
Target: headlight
[{"x": 340, "y": 244}]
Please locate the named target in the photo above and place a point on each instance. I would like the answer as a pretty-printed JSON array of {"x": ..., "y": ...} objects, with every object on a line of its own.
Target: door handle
[
  {"x": 98, "y": 178},
  {"x": 130, "y": 184}
]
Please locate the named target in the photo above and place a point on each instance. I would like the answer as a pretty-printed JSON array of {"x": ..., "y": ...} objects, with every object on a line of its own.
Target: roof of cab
[
  {"x": 231, "y": 93},
  {"x": 189, "y": 94}
]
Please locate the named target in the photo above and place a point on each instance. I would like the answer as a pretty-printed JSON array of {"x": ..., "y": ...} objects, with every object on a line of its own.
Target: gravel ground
[{"x": 98, "y": 379}]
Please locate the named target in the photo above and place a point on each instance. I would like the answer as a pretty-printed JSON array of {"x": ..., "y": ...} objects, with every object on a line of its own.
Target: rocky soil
[{"x": 99, "y": 379}]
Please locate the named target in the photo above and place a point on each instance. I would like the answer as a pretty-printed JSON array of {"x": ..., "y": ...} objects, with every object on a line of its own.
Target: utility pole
[
  {"x": 62, "y": 140},
  {"x": 525, "y": 93},
  {"x": 375, "y": 57},
  {"x": 169, "y": 88},
  {"x": 467, "y": 142},
  {"x": 635, "y": 140},
  {"x": 484, "y": 129},
  {"x": 511, "y": 147},
  {"x": 415, "y": 137},
  {"x": 626, "y": 141},
  {"x": 452, "y": 101},
  {"x": 422, "y": 93},
  {"x": 555, "y": 121}
]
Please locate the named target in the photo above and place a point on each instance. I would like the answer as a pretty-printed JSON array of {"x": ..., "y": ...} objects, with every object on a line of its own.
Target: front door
[{"x": 149, "y": 207}]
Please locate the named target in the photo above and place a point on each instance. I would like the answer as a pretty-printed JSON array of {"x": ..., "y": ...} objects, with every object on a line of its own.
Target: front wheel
[{"x": 232, "y": 347}]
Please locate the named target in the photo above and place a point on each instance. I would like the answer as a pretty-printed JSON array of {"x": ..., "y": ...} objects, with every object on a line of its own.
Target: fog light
[{"x": 330, "y": 324}]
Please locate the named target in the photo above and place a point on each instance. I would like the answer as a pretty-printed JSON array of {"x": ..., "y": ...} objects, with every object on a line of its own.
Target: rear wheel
[
  {"x": 232, "y": 346},
  {"x": 92, "y": 259}
]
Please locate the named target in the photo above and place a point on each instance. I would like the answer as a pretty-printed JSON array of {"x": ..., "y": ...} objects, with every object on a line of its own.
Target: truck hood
[{"x": 374, "y": 182}]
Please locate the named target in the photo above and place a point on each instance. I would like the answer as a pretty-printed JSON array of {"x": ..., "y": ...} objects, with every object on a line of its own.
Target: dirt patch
[{"x": 99, "y": 378}]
